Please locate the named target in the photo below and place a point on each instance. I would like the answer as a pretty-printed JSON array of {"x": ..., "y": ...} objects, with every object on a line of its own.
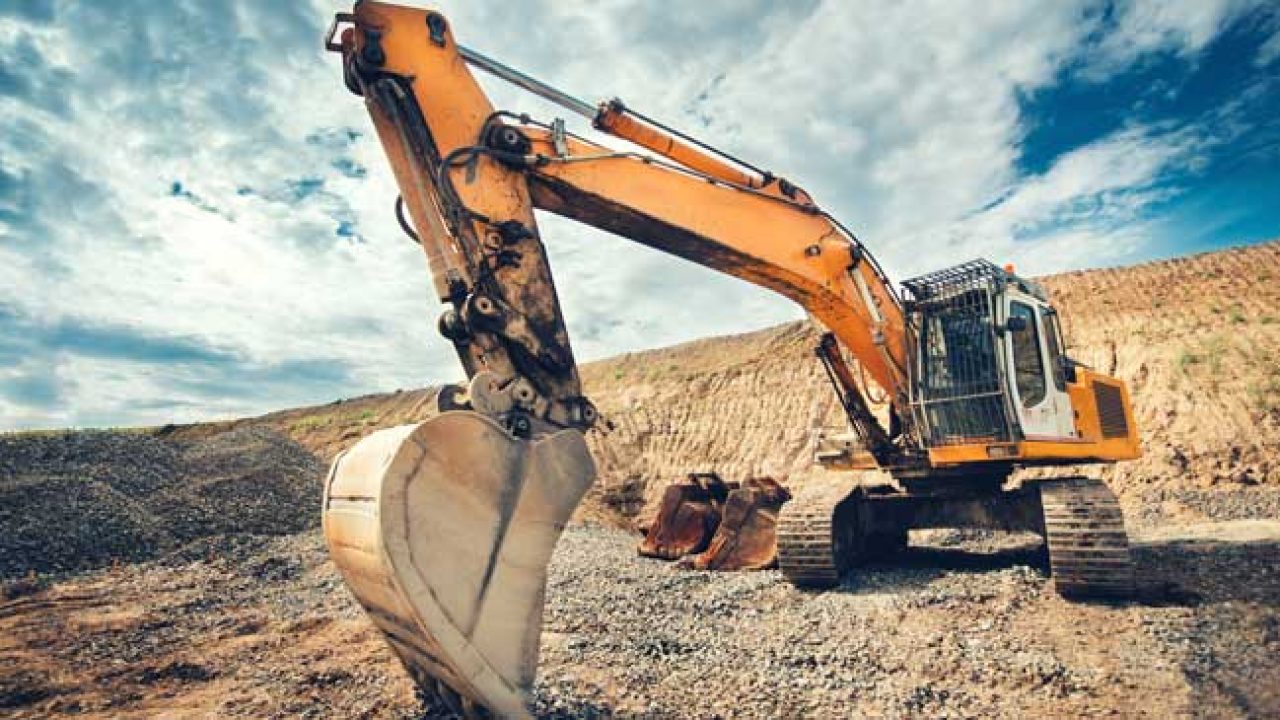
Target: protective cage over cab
[{"x": 991, "y": 378}]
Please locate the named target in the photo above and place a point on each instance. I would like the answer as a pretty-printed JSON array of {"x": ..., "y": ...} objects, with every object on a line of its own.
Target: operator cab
[{"x": 989, "y": 364}]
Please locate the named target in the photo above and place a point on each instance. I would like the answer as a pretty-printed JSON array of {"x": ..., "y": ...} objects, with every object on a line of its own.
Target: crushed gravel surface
[
  {"x": 256, "y": 626},
  {"x": 1179, "y": 505},
  {"x": 966, "y": 629},
  {"x": 230, "y": 608},
  {"x": 78, "y": 500}
]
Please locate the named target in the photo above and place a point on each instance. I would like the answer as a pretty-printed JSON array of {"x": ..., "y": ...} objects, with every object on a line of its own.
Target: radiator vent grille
[{"x": 1111, "y": 415}]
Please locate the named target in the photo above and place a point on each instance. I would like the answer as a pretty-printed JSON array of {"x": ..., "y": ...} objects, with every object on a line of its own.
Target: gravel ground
[
  {"x": 253, "y": 626},
  {"x": 938, "y": 632},
  {"x": 72, "y": 501},
  {"x": 1180, "y": 505},
  {"x": 213, "y": 613}
]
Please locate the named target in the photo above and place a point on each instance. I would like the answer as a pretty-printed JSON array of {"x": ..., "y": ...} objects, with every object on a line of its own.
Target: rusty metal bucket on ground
[{"x": 443, "y": 531}]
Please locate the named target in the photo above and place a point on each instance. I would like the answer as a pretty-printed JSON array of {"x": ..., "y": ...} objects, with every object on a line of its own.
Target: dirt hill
[{"x": 1197, "y": 339}]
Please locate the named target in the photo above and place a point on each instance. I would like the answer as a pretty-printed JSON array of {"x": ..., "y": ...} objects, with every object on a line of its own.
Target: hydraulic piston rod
[
  {"x": 616, "y": 119},
  {"x": 533, "y": 85}
]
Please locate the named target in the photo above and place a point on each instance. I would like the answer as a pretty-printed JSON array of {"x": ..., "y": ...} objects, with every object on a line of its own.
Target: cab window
[
  {"x": 1053, "y": 337},
  {"x": 1028, "y": 365}
]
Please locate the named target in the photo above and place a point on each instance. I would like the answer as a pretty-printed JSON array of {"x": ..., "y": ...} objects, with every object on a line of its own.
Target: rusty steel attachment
[
  {"x": 747, "y": 536},
  {"x": 443, "y": 531},
  {"x": 709, "y": 524},
  {"x": 688, "y": 517}
]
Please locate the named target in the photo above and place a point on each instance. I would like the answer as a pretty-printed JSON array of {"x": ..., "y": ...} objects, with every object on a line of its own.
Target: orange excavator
[{"x": 443, "y": 529}]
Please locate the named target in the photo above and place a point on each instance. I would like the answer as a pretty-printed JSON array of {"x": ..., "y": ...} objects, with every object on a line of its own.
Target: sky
[{"x": 196, "y": 219}]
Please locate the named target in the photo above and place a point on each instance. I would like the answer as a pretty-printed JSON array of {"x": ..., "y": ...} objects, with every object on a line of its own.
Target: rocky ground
[
  {"x": 79, "y": 500},
  {"x": 242, "y": 624},
  {"x": 944, "y": 630}
]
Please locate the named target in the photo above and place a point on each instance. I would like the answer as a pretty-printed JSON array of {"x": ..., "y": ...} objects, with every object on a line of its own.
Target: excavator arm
[{"x": 471, "y": 176}]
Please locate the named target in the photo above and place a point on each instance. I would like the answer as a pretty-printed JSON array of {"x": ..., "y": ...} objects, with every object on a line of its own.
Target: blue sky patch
[
  {"x": 182, "y": 192},
  {"x": 335, "y": 139},
  {"x": 33, "y": 11},
  {"x": 1163, "y": 86},
  {"x": 301, "y": 189},
  {"x": 1229, "y": 92},
  {"x": 349, "y": 168}
]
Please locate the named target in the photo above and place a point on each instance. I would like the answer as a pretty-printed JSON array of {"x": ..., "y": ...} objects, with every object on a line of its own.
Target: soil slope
[{"x": 1196, "y": 338}]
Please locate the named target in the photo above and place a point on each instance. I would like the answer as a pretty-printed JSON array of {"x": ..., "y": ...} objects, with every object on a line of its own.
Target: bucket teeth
[{"x": 443, "y": 531}]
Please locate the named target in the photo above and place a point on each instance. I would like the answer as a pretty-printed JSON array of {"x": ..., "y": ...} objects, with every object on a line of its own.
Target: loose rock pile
[{"x": 78, "y": 500}]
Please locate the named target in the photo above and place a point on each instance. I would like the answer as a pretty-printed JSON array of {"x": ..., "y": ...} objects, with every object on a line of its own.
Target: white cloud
[
  {"x": 1088, "y": 209},
  {"x": 265, "y": 278},
  {"x": 902, "y": 118},
  {"x": 1145, "y": 26},
  {"x": 1269, "y": 52}
]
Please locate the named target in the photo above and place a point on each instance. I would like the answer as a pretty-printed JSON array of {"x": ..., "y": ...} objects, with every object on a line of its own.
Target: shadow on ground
[{"x": 1170, "y": 571}]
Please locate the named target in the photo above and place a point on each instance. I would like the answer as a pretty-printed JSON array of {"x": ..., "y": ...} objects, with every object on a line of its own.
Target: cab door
[{"x": 1039, "y": 390}]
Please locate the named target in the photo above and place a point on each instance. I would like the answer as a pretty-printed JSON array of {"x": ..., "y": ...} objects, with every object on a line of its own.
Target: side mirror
[
  {"x": 1015, "y": 324},
  {"x": 1068, "y": 368}
]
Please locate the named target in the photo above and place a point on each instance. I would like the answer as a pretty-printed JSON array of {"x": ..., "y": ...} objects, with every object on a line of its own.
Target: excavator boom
[{"x": 471, "y": 177}]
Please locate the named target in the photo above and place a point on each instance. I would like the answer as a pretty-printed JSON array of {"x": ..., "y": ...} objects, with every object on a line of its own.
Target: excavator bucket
[
  {"x": 443, "y": 531},
  {"x": 747, "y": 538},
  {"x": 687, "y": 517}
]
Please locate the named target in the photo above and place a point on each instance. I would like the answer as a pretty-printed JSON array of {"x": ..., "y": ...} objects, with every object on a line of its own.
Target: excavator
[{"x": 443, "y": 529}]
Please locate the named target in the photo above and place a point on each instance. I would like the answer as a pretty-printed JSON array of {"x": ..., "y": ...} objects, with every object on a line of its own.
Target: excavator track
[
  {"x": 1087, "y": 541},
  {"x": 817, "y": 536}
]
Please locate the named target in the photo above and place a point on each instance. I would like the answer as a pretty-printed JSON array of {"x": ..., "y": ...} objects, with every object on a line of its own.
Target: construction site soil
[{"x": 179, "y": 571}]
